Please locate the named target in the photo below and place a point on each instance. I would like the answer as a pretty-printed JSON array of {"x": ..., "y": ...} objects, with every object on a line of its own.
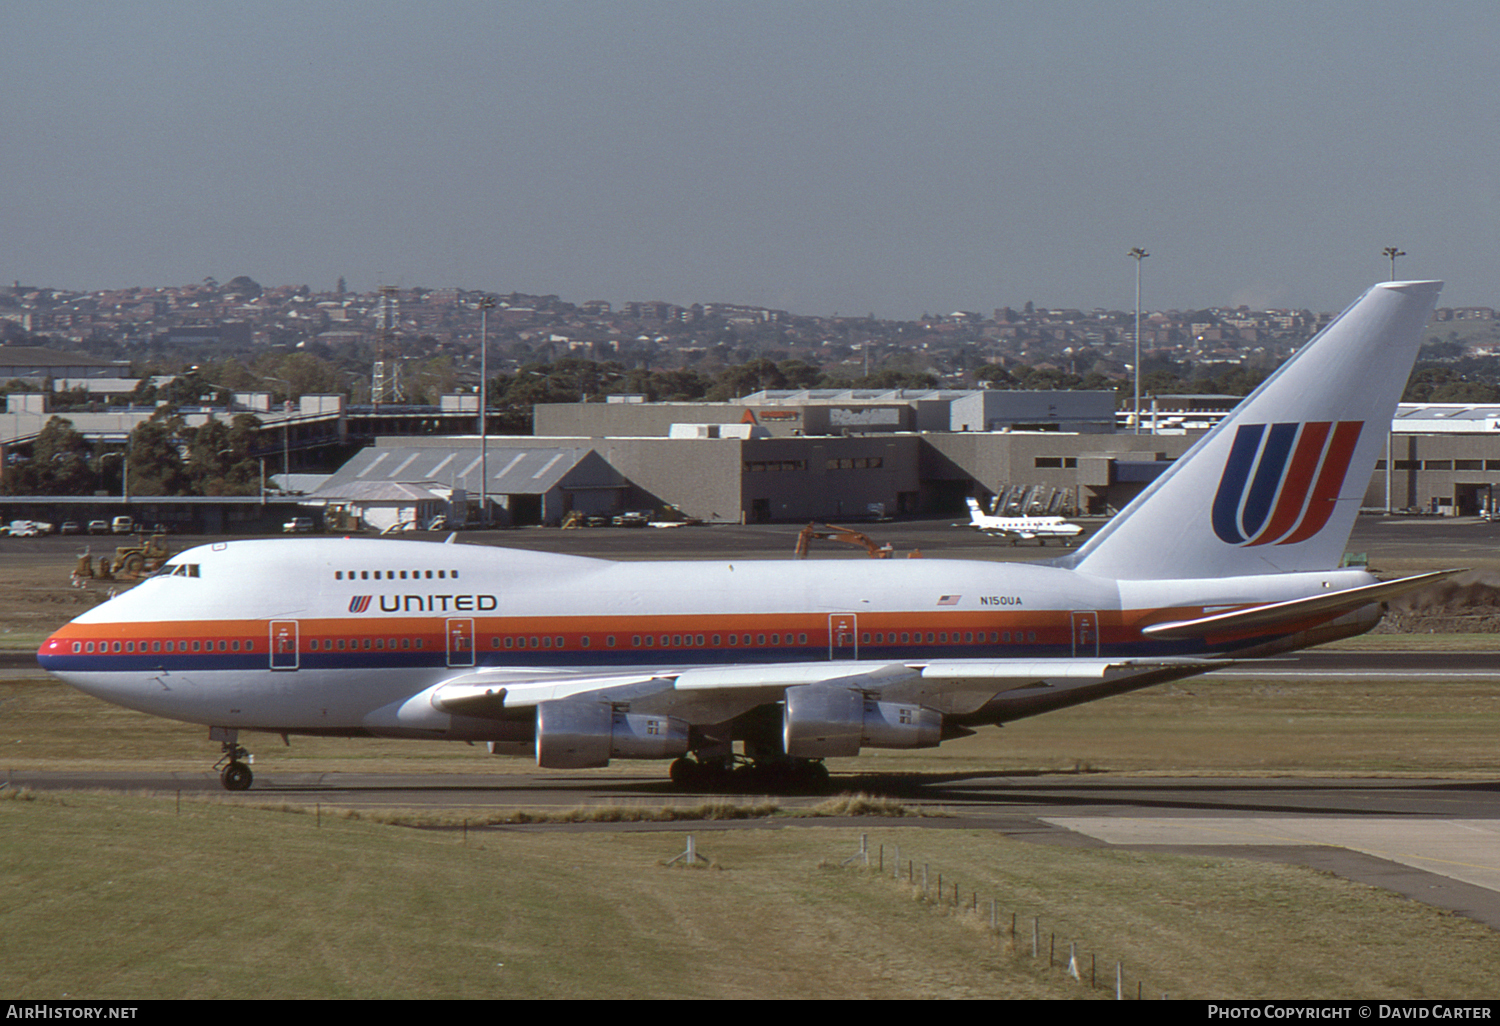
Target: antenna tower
[{"x": 385, "y": 384}]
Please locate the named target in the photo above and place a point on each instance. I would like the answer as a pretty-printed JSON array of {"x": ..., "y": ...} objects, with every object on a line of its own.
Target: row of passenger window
[
  {"x": 363, "y": 644},
  {"x": 945, "y": 638},
  {"x": 138, "y": 647},
  {"x": 773, "y": 639},
  {"x": 395, "y": 575},
  {"x": 554, "y": 641}
]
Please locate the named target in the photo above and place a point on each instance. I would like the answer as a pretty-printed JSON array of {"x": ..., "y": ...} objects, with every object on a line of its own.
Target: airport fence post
[
  {"x": 1119, "y": 981},
  {"x": 1036, "y": 935}
]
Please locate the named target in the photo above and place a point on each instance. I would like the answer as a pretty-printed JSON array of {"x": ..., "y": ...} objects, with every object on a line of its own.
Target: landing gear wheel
[
  {"x": 813, "y": 776},
  {"x": 691, "y": 774},
  {"x": 686, "y": 773},
  {"x": 236, "y": 777}
]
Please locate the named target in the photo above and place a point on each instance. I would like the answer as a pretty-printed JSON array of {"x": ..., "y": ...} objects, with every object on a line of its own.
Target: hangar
[{"x": 386, "y": 487}]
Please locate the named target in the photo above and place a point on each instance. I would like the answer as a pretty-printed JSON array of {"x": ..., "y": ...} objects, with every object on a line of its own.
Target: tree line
[{"x": 164, "y": 456}]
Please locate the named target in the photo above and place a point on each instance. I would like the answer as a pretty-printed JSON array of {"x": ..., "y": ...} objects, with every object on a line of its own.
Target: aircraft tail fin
[
  {"x": 976, "y": 514},
  {"x": 1275, "y": 487}
]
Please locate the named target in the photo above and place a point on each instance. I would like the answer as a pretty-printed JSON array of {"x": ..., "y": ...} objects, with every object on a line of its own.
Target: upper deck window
[{"x": 177, "y": 570}]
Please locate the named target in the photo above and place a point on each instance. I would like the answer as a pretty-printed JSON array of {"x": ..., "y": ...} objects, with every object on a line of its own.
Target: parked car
[
  {"x": 98, "y": 527},
  {"x": 70, "y": 527},
  {"x": 298, "y": 525},
  {"x": 122, "y": 525}
]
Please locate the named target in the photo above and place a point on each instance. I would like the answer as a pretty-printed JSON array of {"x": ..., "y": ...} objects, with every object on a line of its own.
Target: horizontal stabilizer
[{"x": 1333, "y": 603}]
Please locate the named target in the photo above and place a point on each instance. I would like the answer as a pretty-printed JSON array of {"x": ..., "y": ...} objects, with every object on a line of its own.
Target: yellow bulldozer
[{"x": 130, "y": 562}]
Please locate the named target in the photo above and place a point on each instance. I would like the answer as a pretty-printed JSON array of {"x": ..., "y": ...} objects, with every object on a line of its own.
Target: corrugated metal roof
[{"x": 511, "y": 471}]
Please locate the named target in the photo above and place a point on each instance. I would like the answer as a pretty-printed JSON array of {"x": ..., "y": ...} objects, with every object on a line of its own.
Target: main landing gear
[
  {"x": 234, "y": 764},
  {"x": 782, "y": 775}
]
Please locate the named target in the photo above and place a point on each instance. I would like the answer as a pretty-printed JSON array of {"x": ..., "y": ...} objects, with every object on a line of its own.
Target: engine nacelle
[
  {"x": 586, "y": 735},
  {"x": 821, "y": 722}
]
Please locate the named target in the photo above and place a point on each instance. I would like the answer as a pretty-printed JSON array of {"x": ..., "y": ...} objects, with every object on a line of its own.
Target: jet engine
[
  {"x": 586, "y": 735},
  {"x": 819, "y": 722}
]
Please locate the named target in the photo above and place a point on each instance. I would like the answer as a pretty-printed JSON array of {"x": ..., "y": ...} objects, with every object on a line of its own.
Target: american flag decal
[
  {"x": 359, "y": 603},
  {"x": 949, "y": 600}
]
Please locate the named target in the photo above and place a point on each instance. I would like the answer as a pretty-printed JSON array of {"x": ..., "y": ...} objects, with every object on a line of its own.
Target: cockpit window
[{"x": 177, "y": 570}]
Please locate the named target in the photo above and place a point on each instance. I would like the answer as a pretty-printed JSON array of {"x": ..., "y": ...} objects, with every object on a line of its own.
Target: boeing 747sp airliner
[{"x": 1232, "y": 553}]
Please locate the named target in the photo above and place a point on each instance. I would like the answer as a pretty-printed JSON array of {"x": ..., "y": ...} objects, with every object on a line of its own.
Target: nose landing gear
[{"x": 234, "y": 764}]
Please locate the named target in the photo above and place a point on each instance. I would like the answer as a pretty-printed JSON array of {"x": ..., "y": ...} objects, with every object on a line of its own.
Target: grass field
[{"x": 110, "y": 896}]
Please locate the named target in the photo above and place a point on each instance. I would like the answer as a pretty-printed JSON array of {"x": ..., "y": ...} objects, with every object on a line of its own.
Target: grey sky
[{"x": 818, "y": 156}]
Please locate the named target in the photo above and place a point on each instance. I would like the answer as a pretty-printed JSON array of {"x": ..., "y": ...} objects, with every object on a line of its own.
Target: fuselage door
[
  {"x": 843, "y": 642},
  {"x": 461, "y": 642},
  {"x": 283, "y": 644},
  {"x": 1085, "y": 634}
]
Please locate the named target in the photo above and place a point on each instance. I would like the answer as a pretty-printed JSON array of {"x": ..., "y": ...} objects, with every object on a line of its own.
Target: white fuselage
[{"x": 337, "y": 635}]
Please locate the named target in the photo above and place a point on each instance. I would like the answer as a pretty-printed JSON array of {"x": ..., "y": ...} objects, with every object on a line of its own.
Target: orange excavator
[{"x": 849, "y": 536}]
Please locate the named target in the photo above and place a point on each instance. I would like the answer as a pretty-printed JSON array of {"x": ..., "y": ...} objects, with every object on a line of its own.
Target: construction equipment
[
  {"x": 131, "y": 562},
  {"x": 847, "y": 535}
]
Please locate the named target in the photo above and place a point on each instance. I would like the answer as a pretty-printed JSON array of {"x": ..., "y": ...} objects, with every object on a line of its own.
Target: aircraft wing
[
  {"x": 714, "y": 694},
  {"x": 1332, "y": 603}
]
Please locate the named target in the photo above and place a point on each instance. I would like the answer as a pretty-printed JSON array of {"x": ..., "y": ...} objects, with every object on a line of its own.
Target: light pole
[
  {"x": 286, "y": 434},
  {"x": 486, "y": 304},
  {"x": 1138, "y": 254},
  {"x": 1393, "y": 253}
]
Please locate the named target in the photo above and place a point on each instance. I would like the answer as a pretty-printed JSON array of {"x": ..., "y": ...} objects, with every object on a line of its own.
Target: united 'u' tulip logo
[{"x": 1281, "y": 481}]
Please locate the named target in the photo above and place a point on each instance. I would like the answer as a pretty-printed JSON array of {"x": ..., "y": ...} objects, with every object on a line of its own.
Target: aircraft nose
[{"x": 52, "y": 649}]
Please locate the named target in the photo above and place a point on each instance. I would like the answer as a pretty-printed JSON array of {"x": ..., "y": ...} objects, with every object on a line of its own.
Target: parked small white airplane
[
  {"x": 1231, "y": 553},
  {"x": 1021, "y": 528}
]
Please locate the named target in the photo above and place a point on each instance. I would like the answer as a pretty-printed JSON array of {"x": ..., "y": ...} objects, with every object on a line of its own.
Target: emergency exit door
[
  {"x": 1085, "y": 634},
  {"x": 283, "y": 644},
  {"x": 843, "y": 642},
  {"x": 461, "y": 642}
]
